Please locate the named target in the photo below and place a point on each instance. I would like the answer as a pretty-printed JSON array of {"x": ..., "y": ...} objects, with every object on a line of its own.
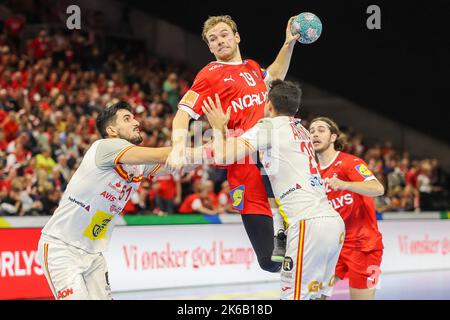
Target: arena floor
[{"x": 430, "y": 285}]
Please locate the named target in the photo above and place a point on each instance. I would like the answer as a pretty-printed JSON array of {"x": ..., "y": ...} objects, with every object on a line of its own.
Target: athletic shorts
[
  {"x": 72, "y": 273},
  {"x": 362, "y": 268},
  {"x": 312, "y": 250},
  {"x": 247, "y": 190}
]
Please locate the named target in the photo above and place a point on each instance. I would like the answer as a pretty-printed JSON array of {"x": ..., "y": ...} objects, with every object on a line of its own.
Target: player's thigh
[
  {"x": 333, "y": 235},
  {"x": 63, "y": 271},
  {"x": 342, "y": 265},
  {"x": 364, "y": 269},
  {"x": 259, "y": 229},
  {"x": 362, "y": 294},
  {"x": 302, "y": 276},
  {"x": 97, "y": 280}
]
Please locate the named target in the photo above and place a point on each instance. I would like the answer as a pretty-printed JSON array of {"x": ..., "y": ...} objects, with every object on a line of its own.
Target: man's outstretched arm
[
  {"x": 145, "y": 155},
  {"x": 279, "y": 68}
]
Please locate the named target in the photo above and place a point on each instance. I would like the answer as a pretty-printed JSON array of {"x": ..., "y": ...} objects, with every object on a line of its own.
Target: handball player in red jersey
[
  {"x": 350, "y": 188},
  {"x": 241, "y": 85}
]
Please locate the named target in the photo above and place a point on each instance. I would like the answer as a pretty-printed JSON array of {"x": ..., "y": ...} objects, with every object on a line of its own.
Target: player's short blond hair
[
  {"x": 334, "y": 129},
  {"x": 211, "y": 22}
]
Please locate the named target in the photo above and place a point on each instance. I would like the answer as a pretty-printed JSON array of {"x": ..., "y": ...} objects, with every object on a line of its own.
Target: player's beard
[{"x": 137, "y": 139}]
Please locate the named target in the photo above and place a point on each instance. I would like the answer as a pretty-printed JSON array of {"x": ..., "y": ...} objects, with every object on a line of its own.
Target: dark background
[{"x": 401, "y": 71}]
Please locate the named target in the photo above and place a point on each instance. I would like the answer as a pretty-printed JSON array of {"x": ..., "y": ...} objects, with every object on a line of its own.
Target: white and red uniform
[
  {"x": 363, "y": 246},
  {"x": 72, "y": 241},
  {"x": 315, "y": 231},
  {"x": 241, "y": 86}
]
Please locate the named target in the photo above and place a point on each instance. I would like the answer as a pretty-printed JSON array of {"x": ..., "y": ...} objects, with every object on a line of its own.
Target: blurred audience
[{"x": 54, "y": 83}]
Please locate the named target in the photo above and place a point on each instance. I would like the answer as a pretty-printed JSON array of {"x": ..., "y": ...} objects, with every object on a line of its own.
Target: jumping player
[
  {"x": 350, "y": 186},
  {"x": 72, "y": 241},
  {"x": 315, "y": 232},
  {"x": 241, "y": 85}
]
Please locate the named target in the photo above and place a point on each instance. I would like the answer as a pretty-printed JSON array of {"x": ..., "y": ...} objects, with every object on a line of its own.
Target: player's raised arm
[
  {"x": 180, "y": 124},
  {"x": 279, "y": 68},
  {"x": 145, "y": 155},
  {"x": 226, "y": 151}
]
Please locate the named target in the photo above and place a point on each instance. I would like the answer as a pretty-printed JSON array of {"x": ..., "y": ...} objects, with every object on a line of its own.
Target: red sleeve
[
  {"x": 356, "y": 170},
  {"x": 192, "y": 100}
]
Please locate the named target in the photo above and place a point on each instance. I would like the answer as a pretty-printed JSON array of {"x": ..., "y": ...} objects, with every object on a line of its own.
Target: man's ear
[
  {"x": 111, "y": 131},
  {"x": 333, "y": 137},
  {"x": 238, "y": 37}
]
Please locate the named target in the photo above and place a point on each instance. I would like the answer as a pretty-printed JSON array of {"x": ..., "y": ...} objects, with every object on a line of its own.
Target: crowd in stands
[{"x": 53, "y": 85}]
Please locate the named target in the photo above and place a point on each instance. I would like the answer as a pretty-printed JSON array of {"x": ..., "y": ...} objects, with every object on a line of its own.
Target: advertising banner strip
[
  {"x": 445, "y": 215},
  {"x": 411, "y": 216},
  {"x": 167, "y": 220},
  {"x": 180, "y": 219},
  {"x": 4, "y": 223}
]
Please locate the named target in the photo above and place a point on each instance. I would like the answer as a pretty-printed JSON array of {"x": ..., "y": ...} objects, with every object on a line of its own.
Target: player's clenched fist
[{"x": 336, "y": 183}]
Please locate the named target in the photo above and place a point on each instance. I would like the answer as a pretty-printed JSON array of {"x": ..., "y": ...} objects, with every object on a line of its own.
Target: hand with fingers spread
[
  {"x": 290, "y": 38},
  {"x": 213, "y": 111}
]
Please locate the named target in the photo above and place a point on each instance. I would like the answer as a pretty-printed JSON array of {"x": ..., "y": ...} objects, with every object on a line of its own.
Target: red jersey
[
  {"x": 240, "y": 86},
  {"x": 357, "y": 211},
  {"x": 190, "y": 204},
  {"x": 167, "y": 186}
]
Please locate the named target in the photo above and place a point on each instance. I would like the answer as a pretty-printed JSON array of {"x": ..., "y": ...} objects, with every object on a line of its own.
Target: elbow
[{"x": 379, "y": 190}]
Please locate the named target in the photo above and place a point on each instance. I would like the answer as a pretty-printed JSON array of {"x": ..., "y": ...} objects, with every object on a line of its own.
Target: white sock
[{"x": 277, "y": 221}]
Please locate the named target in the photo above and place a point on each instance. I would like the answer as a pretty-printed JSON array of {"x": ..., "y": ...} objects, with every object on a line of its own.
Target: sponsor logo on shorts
[
  {"x": 86, "y": 207},
  {"x": 291, "y": 189},
  {"x": 62, "y": 294},
  {"x": 332, "y": 281},
  {"x": 285, "y": 289},
  {"x": 314, "y": 286},
  {"x": 98, "y": 226},
  {"x": 288, "y": 264},
  {"x": 342, "y": 238},
  {"x": 237, "y": 195},
  {"x": 108, "y": 286},
  {"x": 363, "y": 171}
]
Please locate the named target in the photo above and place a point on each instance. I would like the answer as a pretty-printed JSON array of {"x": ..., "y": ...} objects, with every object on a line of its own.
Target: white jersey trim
[
  {"x": 234, "y": 63},
  {"x": 191, "y": 112},
  {"x": 331, "y": 162}
]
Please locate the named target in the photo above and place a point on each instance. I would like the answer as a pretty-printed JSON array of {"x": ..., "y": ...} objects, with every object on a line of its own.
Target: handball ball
[{"x": 309, "y": 27}]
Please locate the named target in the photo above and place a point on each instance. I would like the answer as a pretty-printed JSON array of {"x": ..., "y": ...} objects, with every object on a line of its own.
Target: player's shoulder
[
  {"x": 351, "y": 162},
  {"x": 252, "y": 63},
  {"x": 211, "y": 68},
  {"x": 266, "y": 123},
  {"x": 349, "y": 158}
]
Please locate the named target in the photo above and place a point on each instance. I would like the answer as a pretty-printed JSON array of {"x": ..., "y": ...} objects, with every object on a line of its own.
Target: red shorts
[
  {"x": 247, "y": 189},
  {"x": 361, "y": 267}
]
